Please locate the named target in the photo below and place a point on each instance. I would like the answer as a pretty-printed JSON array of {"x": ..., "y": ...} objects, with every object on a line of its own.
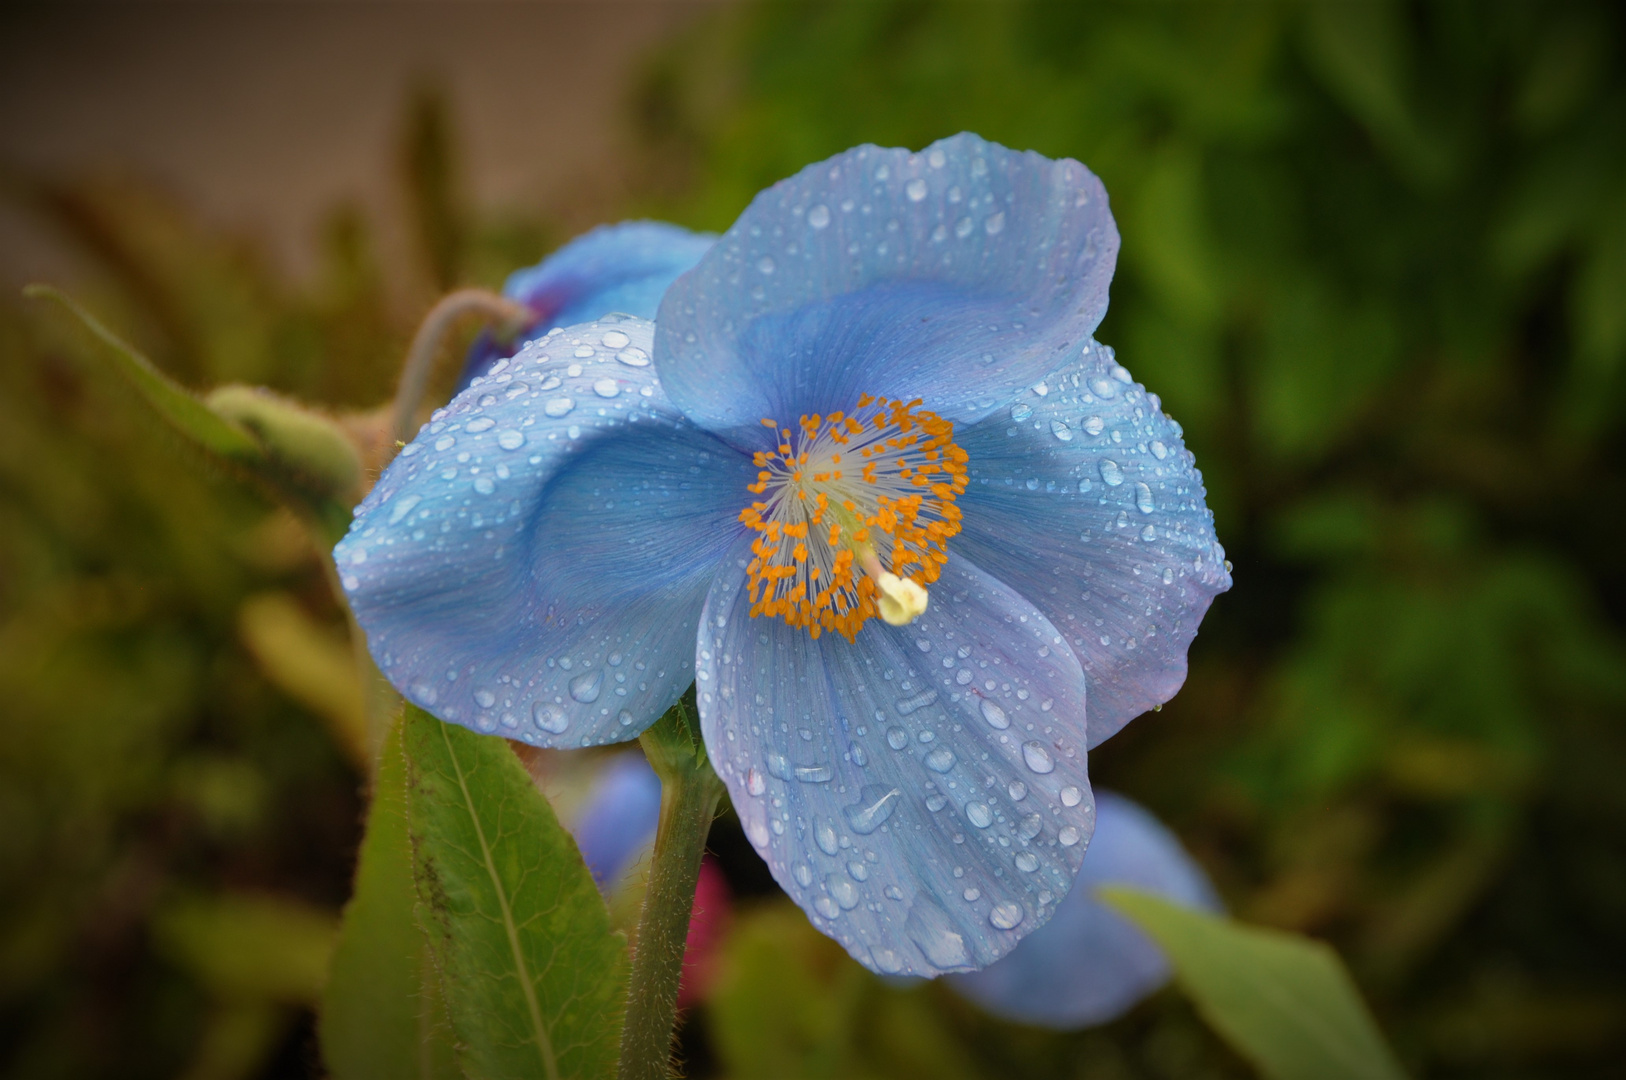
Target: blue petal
[
  {"x": 619, "y": 816},
  {"x": 1085, "y": 500},
  {"x": 920, "y": 792},
  {"x": 534, "y": 562},
  {"x": 959, "y": 275},
  {"x": 1089, "y": 964},
  {"x": 624, "y": 268}
]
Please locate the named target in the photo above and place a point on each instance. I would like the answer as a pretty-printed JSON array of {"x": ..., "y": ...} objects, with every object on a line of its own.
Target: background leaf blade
[{"x": 1283, "y": 1001}]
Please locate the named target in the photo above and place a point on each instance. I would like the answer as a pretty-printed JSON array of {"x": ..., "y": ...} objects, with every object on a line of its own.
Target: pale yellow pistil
[{"x": 839, "y": 542}]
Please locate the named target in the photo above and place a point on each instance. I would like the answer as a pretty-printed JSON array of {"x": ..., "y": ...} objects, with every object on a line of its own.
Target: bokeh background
[{"x": 1374, "y": 260}]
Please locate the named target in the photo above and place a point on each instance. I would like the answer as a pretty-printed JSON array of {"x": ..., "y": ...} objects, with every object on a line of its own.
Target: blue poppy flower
[
  {"x": 1088, "y": 964},
  {"x": 868, "y": 482},
  {"x": 618, "y": 818},
  {"x": 625, "y": 268}
]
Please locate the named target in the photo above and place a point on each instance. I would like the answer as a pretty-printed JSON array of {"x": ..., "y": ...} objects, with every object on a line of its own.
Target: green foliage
[
  {"x": 1283, "y": 1002},
  {"x": 534, "y": 980},
  {"x": 383, "y": 1015}
]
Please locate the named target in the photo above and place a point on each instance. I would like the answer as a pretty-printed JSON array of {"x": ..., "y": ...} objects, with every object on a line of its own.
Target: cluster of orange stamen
[{"x": 846, "y": 498}]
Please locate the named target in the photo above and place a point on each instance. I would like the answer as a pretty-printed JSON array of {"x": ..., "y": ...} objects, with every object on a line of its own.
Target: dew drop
[
  {"x": 1070, "y": 796},
  {"x": 858, "y": 870},
  {"x": 934, "y": 803},
  {"x": 444, "y": 442},
  {"x": 510, "y": 439},
  {"x": 485, "y": 698},
  {"x": 615, "y": 339},
  {"x": 626, "y": 718},
  {"x": 1061, "y": 431},
  {"x": 479, "y": 424},
  {"x": 940, "y": 760},
  {"x": 876, "y": 802},
  {"x": 559, "y": 406},
  {"x": 1168, "y": 576},
  {"x": 897, "y": 738},
  {"x": 1159, "y": 451},
  {"x": 754, "y": 784},
  {"x": 633, "y": 357},
  {"x": 1111, "y": 474},
  {"x": 549, "y": 717},
  {"x": 1094, "y": 426},
  {"x": 1143, "y": 499},
  {"x": 607, "y": 388},
  {"x": 1027, "y": 862},
  {"x": 844, "y": 891},
  {"x": 403, "y": 506},
  {"x": 887, "y": 962},
  {"x": 963, "y": 227},
  {"x": 1068, "y": 836},
  {"x": 1030, "y": 827},
  {"x": 804, "y": 874},
  {"x": 586, "y": 686},
  {"x": 930, "y": 928},
  {"x": 915, "y": 189},
  {"x": 979, "y": 815},
  {"x": 1016, "y": 790},
  {"x": 1020, "y": 412},
  {"x": 1005, "y": 916},
  {"x": 778, "y": 766},
  {"x": 549, "y": 382},
  {"x": 995, "y": 224},
  {"x": 824, "y": 834},
  {"x": 819, "y": 216},
  {"x": 994, "y": 715},
  {"x": 484, "y": 485},
  {"x": 962, "y": 676},
  {"x": 825, "y": 906},
  {"x": 814, "y": 774},
  {"x": 765, "y": 264},
  {"x": 1037, "y": 757}
]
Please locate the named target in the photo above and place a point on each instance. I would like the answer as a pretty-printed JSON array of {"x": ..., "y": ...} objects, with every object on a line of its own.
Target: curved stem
[
  {"x": 420, "y": 358},
  {"x": 690, "y": 791}
]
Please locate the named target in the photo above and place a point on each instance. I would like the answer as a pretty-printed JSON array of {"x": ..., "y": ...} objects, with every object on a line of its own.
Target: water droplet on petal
[
  {"x": 824, "y": 834},
  {"x": 1037, "y": 757},
  {"x": 940, "y": 760},
  {"x": 825, "y": 906},
  {"x": 615, "y": 339},
  {"x": 765, "y": 264},
  {"x": 633, "y": 357},
  {"x": 1068, "y": 836},
  {"x": 403, "y": 506},
  {"x": 1168, "y": 576},
  {"x": 1070, "y": 796},
  {"x": 754, "y": 784},
  {"x": 995, "y": 223},
  {"x": 1030, "y": 827},
  {"x": 844, "y": 891},
  {"x": 479, "y": 424},
  {"x": 897, "y": 738},
  {"x": 585, "y": 687},
  {"x": 876, "y": 803},
  {"x": 819, "y": 216},
  {"x": 1061, "y": 431},
  {"x": 1006, "y": 916},
  {"x": 979, "y": 815},
  {"x": 606, "y": 388},
  {"x": 994, "y": 715},
  {"x": 1159, "y": 451},
  {"x": 930, "y": 928},
  {"x": 814, "y": 774},
  {"x": 510, "y": 439},
  {"x": 1020, "y": 412},
  {"x": 1143, "y": 499},
  {"x": 963, "y": 676},
  {"x": 778, "y": 766},
  {"x": 444, "y": 442},
  {"x": 549, "y": 717},
  {"x": 1027, "y": 862},
  {"x": 804, "y": 874},
  {"x": 559, "y": 406},
  {"x": 915, "y": 189},
  {"x": 887, "y": 962},
  {"x": 1094, "y": 426},
  {"x": 485, "y": 698},
  {"x": 1016, "y": 790},
  {"x": 1111, "y": 473}
]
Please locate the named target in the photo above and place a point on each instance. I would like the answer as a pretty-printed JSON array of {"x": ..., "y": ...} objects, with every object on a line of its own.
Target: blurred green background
[{"x": 1374, "y": 260}]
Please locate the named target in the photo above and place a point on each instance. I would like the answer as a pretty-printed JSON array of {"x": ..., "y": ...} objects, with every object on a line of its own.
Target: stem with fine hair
[
  {"x": 420, "y": 358},
  {"x": 690, "y": 791}
]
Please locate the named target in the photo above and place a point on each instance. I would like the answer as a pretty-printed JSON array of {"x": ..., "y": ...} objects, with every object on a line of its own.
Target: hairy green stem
[
  {"x": 494, "y": 307},
  {"x": 690, "y": 792}
]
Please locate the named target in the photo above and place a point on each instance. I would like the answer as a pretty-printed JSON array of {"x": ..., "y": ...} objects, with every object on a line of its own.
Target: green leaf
[
  {"x": 535, "y": 980},
  {"x": 172, "y": 402},
  {"x": 1284, "y": 1002},
  {"x": 382, "y": 1017},
  {"x": 249, "y": 947}
]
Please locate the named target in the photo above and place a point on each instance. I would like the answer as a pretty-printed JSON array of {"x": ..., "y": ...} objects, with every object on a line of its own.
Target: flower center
[{"x": 855, "y": 513}]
